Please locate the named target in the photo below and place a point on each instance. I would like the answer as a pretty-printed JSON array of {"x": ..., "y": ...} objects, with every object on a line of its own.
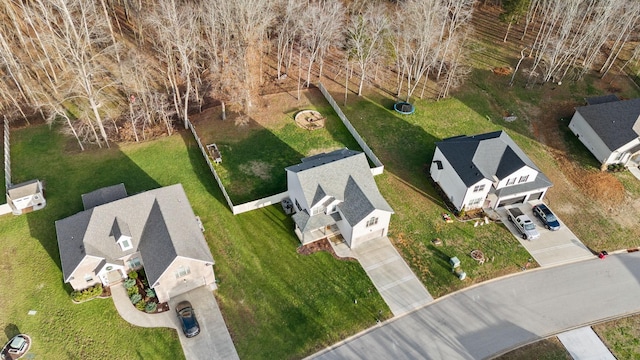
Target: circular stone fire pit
[
  {"x": 309, "y": 119},
  {"x": 404, "y": 107}
]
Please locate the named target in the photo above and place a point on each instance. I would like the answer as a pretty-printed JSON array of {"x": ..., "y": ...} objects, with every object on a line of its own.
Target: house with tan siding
[{"x": 116, "y": 233}]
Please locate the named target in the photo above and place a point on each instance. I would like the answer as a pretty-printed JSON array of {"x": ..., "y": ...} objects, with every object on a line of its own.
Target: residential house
[
  {"x": 26, "y": 197},
  {"x": 486, "y": 171},
  {"x": 116, "y": 233},
  {"x": 335, "y": 193},
  {"x": 609, "y": 128}
]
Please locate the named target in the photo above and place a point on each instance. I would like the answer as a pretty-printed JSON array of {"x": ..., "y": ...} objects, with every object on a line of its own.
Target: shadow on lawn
[{"x": 74, "y": 175}]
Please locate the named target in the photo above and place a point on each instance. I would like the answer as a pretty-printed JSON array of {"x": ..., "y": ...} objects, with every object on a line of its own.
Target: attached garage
[
  {"x": 512, "y": 201},
  {"x": 369, "y": 236},
  {"x": 536, "y": 196}
]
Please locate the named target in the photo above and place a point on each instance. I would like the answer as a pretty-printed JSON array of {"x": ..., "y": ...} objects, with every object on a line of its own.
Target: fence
[
  {"x": 7, "y": 156},
  {"x": 374, "y": 159},
  {"x": 242, "y": 208},
  {"x": 213, "y": 170}
]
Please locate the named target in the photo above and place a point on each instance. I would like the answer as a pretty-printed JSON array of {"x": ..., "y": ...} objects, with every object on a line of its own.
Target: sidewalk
[
  {"x": 584, "y": 344},
  {"x": 136, "y": 317}
]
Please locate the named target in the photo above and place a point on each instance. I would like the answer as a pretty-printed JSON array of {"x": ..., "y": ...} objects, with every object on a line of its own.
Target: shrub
[
  {"x": 129, "y": 283},
  {"x": 141, "y": 305},
  {"x": 133, "y": 290},
  {"x": 87, "y": 294},
  {"x": 151, "y": 307},
  {"x": 135, "y": 298},
  {"x": 133, "y": 275},
  {"x": 150, "y": 293}
]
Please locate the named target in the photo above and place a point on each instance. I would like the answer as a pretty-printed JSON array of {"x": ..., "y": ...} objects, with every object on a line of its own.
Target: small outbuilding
[{"x": 26, "y": 197}]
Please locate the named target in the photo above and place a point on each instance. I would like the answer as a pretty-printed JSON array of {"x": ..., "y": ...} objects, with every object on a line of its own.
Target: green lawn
[
  {"x": 277, "y": 304},
  {"x": 254, "y": 156}
]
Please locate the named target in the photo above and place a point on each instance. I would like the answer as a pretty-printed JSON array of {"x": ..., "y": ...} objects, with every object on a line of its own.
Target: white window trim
[{"x": 182, "y": 271}]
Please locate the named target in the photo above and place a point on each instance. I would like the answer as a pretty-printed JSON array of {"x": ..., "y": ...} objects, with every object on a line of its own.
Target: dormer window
[{"x": 121, "y": 234}]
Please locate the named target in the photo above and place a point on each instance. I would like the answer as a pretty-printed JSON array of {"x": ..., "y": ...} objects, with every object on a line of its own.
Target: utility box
[{"x": 455, "y": 262}]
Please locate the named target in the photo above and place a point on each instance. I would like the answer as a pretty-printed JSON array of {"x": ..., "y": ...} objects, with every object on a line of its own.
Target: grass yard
[
  {"x": 255, "y": 154},
  {"x": 277, "y": 304}
]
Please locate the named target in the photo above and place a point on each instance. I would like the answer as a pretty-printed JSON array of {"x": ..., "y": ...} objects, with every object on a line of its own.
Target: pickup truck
[{"x": 523, "y": 223}]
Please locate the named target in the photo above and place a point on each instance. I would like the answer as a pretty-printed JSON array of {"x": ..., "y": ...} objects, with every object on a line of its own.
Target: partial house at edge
[
  {"x": 335, "y": 193},
  {"x": 116, "y": 233},
  {"x": 609, "y": 128},
  {"x": 486, "y": 171}
]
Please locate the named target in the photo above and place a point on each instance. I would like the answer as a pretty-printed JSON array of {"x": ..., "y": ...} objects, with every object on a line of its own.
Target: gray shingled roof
[
  {"x": 345, "y": 175},
  {"x": 601, "y": 99},
  {"x": 161, "y": 223},
  {"x": 484, "y": 156},
  {"x": 103, "y": 196},
  {"x": 24, "y": 189},
  {"x": 613, "y": 121}
]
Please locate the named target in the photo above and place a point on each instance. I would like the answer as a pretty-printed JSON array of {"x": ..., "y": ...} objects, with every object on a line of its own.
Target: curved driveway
[{"x": 494, "y": 317}]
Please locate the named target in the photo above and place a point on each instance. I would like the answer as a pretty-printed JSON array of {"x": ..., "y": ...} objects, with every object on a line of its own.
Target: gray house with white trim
[
  {"x": 335, "y": 193},
  {"x": 486, "y": 171},
  {"x": 116, "y": 233},
  {"x": 609, "y": 128}
]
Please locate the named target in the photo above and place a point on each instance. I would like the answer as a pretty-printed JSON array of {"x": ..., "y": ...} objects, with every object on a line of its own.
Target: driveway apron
[{"x": 397, "y": 284}]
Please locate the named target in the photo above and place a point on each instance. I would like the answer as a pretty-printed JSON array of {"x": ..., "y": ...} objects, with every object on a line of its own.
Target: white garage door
[{"x": 369, "y": 236}]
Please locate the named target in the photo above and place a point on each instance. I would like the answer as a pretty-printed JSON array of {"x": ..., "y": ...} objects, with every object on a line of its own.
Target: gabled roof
[
  {"x": 160, "y": 222},
  {"x": 601, "y": 99},
  {"x": 613, "y": 121},
  {"x": 345, "y": 175},
  {"x": 484, "y": 156}
]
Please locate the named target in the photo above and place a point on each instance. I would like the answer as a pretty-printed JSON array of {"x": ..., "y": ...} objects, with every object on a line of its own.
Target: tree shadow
[
  {"x": 11, "y": 330},
  {"x": 71, "y": 176}
]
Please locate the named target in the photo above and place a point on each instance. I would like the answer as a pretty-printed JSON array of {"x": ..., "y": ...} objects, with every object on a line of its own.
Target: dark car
[
  {"x": 187, "y": 318},
  {"x": 546, "y": 216}
]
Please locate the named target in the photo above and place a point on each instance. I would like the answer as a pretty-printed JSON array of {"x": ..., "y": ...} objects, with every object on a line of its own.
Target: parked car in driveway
[
  {"x": 187, "y": 317},
  {"x": 542, "y": 212}
]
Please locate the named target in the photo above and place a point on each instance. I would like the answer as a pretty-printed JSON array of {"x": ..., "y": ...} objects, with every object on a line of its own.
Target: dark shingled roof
[
  {"x": 613, "y": 121},
  {"x": 484, "y": 156},
  {"x": 161, "y": 223},
  {"x": 103, "y": 196},
  {"x": 601, "y": 99},
  {"x": 345, "y": 175}
]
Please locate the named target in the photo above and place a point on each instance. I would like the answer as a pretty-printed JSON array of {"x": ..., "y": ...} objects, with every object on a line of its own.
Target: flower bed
[{"x": 141, "y": 295}]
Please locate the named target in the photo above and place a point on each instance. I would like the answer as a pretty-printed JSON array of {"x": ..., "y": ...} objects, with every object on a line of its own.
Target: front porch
[{"x": 312, "y": 235}]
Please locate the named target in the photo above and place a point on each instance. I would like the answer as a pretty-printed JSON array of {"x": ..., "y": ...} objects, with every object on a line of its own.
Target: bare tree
[
  {"x": 286, "y": 31},
  {"x": 322, "y": 22},
  {"x": 365, "y": 41}
]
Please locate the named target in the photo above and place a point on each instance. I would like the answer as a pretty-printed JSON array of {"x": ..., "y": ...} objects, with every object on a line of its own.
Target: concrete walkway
[
  {"x": 214, "y": 340},
  {"x": 497, "y": 316},
  {"x": 397, "y": 284},
  {"x": 634, "y": 171},
  {"x": 584, "y": 344}
]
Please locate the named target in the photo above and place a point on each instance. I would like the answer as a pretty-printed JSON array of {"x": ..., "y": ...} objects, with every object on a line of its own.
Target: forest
[{"x": 124, "y": 70}]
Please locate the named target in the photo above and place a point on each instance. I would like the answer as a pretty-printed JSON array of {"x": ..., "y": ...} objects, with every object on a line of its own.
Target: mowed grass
[
  {"x": 405, "y": 144},
  {"x": 276, "y": 303},
  {"x": 256, "y": 154}
]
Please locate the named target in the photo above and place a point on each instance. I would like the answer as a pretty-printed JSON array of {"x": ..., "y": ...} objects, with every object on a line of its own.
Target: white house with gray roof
[
  {"x": 335, "y": 193},
  {"x": 609, "y": 128},
  {"x": 486, "y": 171},
  {"x": 116, "y": 233}
]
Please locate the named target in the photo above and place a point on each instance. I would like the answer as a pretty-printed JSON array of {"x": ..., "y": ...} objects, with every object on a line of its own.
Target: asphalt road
[{"x": 497, "y": 316}]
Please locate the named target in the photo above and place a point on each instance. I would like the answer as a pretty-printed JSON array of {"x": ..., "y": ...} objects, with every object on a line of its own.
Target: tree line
[{"x": 106, "y": 66}]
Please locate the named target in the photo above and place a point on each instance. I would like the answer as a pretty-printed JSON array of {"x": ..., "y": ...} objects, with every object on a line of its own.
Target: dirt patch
[
  {"x": 320, "y": 245},
  {"x": 257, "y": 168}
]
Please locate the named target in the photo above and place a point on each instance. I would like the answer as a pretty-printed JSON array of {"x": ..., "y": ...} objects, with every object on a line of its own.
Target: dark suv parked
[
  {"x": 542, "y": 212},
  {"x": 187, "y": 318}
]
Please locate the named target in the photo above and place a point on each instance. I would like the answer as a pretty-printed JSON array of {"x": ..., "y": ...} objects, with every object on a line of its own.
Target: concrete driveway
[
  {"x": 397, "y": 284},
  {"x": 552, "y": 247},
  {"x": 214, "y": 340}
]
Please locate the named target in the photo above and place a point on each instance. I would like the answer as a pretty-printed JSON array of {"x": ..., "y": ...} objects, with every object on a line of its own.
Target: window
[
  {"x": 134, "y": 262},
  {"x": 511, "y": 181},
  {"x": 478, "y": 188},
  {"x": 619, "y": 156},
  {"x": 298, "y": 205},
  {"x": 372, "y": 221},
  {"x": 182, "y": 272},
  {"x": 318, "y": 209},
  {"x": 523, "y": 179},
  {"x": 474, "y": 202},
  {"x": 88, "y": 278}
]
